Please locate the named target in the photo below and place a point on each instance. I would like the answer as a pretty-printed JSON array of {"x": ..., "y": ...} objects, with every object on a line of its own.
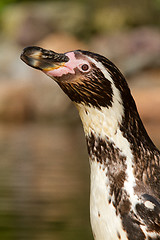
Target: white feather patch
[{"x": 105, "y": 223}]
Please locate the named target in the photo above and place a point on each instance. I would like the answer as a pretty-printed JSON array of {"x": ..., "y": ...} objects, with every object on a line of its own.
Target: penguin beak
[{"x": 45, "y": 60}]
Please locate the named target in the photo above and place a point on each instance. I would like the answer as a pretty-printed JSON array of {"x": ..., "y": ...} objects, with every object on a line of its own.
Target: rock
[
  {"x": 148, "y": 102},
  {"x": 61, "y": 42},
  {"x": 20, "y": 102},
  {"x": 132, "y": 51},
  {"x": 49, "y": 100},
  {"x": 16, "y": 104}
]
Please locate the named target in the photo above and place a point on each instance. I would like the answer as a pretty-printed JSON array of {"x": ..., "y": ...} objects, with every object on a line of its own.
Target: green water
[{"x": 44, "y": 183}]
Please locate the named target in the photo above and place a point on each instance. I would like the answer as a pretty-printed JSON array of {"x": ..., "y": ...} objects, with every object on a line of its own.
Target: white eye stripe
[{"x": 101, "y": 67}]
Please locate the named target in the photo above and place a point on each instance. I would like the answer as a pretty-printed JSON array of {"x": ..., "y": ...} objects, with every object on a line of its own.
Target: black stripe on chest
[{"x": 112, "y": 161}]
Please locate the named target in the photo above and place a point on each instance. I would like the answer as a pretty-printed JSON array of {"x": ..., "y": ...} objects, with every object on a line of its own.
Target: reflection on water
[{"x": 44, "y": 183}]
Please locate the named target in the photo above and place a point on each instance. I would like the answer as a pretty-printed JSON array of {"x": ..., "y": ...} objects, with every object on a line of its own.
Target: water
[{"x": 44, "y": 183}]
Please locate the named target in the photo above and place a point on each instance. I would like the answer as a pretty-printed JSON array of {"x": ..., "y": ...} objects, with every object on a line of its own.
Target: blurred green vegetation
[{"x": 95, "y": 16}]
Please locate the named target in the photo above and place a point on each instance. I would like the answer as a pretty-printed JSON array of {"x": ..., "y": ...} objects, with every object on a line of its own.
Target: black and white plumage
[{"x": 124, "y": 162}]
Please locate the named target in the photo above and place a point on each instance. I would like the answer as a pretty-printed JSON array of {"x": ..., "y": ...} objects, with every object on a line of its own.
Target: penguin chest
[{"x": 106, "y": 224}]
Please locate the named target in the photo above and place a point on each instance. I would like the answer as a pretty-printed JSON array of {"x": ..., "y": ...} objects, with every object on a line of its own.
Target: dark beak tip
[{"x": 30, "y": 50}]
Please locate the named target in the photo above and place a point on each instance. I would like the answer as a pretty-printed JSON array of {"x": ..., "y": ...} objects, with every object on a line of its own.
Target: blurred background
[{"x": 44, "y": 170}]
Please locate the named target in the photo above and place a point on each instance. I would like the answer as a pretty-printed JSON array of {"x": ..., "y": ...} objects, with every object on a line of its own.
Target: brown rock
[
  {"x": 148, "y": 102},
  {"x": 16, "y": 104},
  {"x": 61, "y": 42}
]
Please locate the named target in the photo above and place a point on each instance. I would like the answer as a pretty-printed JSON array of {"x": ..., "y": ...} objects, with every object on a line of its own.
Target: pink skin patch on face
[{"x": 68, "y": 67}]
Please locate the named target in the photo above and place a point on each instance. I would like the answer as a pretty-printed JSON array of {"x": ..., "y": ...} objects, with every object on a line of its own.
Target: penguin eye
[{"x": 84, "y": 67}]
